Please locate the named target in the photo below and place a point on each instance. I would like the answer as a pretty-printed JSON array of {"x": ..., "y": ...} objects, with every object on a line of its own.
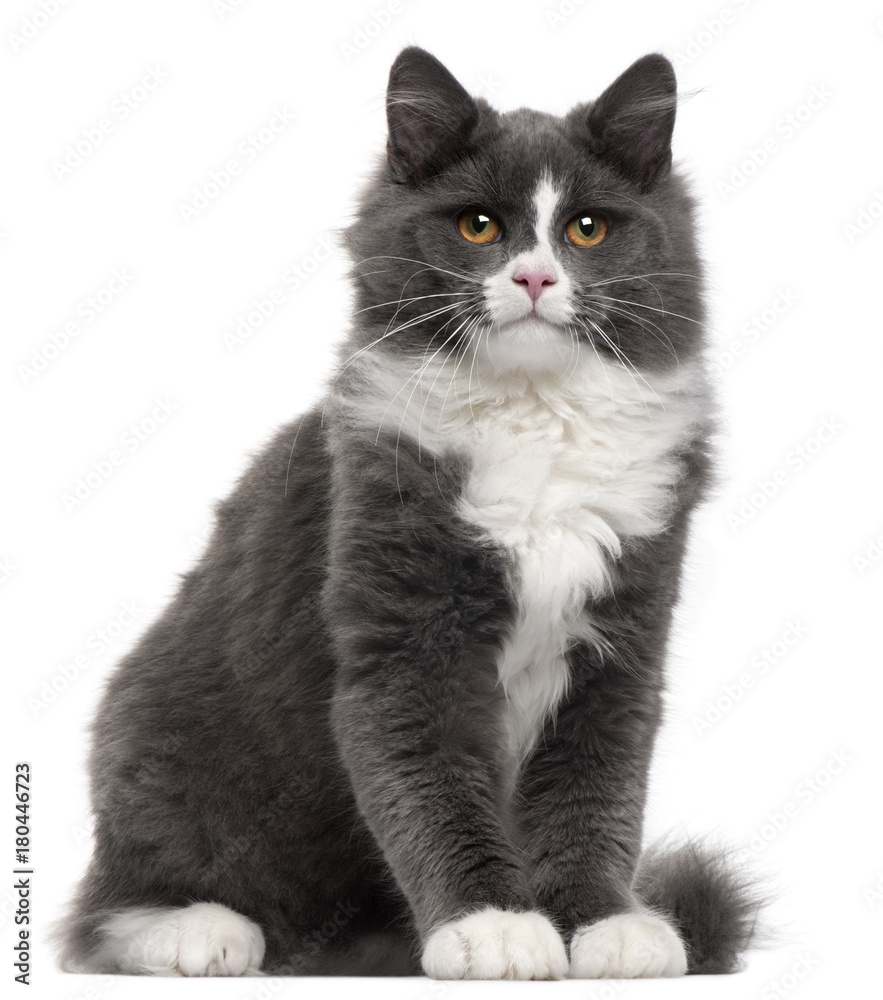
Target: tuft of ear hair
[
  {"x": 633, "y": 120},
  {"x": 430, "y": 116}
]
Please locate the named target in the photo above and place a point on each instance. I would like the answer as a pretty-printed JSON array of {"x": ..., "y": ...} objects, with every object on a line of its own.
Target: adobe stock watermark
[
  {"x": 198, "y": 540},
  {"x": 309, "y": 947},
  {"x": 485, "y": 86},
  {"x": 224, "y": 8},
  {"x": 785, "y": 128},
  {"x": 261, "y": 651},
  {"x": 150, "y": 768},
  {"x": 760, "y": 665},
  {"x": 870, "y": 556},
  {"x": 8, "y": 906},
  {"x": 754, "y": 328},
  {"x": 261, "y": 822},
  {"x": 121, "y": 108},
  {"x": 86, "y": 311},
  {"x": 866, "y": 218},
  {"x": 805, "y": 793},
  {"x": 557, "y": 15},
  {"x": 787, "y": 982},
  {"x": 97, "y": 643},
  {"x": 35, "y": 22},
  {"x": 7, "y": 570},
  {"x": 319, "y": 937},
  {"x": 264, "y": 307},
  {"x": 131, "y": 441},
  {"x": 612, "y": 989},
  {"x": 81, "y": 833},
  {"x": 217, "y": 181},
  {"x": 796, "y": 460},
  {"x": 432, "y": 989},
  {"x": 873, "y": 893},
  {"x": 711, "y": 29},
  {"x": 379, "y": 19}
]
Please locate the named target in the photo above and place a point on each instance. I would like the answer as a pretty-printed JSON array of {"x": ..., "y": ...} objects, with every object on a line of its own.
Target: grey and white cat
[{"x": 401, "y": 712}]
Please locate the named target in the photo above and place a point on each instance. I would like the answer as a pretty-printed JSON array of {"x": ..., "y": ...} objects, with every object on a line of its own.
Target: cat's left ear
[
  {"x": 633, "y": 120},
  {"x": 430, "y": 116}
]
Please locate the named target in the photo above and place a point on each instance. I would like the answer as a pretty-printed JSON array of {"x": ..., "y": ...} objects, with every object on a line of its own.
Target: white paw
[
  {"x": 627, "y": 946},
  {"x": 495, "y": 944},
  {"x": 204, "y": 939}
]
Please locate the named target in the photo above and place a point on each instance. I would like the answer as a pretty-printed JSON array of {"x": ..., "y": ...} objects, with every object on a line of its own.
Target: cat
[{"x": 399, "y": 717}]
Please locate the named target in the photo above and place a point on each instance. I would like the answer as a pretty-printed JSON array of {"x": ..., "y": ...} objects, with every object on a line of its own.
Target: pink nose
[{"x": 534, "y": 282}]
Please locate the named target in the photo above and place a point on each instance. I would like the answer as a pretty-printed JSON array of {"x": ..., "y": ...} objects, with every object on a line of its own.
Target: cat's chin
[{"x": 531, "y": 345}]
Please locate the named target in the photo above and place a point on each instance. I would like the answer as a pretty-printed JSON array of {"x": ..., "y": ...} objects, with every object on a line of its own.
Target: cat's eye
[
  {"x": 478, "y": 226},
  {"x": 586, "y": 230}
]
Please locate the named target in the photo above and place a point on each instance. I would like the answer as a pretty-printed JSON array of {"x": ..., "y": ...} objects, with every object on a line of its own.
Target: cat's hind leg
[{"x": 203, "y": 939}]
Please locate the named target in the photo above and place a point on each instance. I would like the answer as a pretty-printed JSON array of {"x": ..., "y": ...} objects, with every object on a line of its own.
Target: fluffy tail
[{"x": 712, "y": 901}]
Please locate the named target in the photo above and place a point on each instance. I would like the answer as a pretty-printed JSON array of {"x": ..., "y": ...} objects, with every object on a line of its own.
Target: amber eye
[
  {"x": 586, "y": 230},
  {"x": 478, "y": 226}
]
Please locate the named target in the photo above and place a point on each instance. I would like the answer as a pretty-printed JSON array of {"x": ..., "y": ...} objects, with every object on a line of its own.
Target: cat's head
[{"x": 526, "y": 238}]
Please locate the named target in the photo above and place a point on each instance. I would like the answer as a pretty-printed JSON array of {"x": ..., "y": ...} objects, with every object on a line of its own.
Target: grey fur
[
  {"x": 714, "y": 900},
  {"x": 311, "y": 734}
]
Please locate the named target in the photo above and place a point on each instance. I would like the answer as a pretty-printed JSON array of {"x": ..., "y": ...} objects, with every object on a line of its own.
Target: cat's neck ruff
[
  {"x": 448, "y": 404},
  {"x": 562, "y": 466}
]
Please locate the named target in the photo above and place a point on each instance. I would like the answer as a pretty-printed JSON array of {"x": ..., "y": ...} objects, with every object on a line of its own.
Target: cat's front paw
[
  {"x": 495, "y": 944},
  {"x": 627, "y": 946}
]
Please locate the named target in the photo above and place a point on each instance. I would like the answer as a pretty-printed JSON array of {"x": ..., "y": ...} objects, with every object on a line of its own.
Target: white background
[{"x": 791, "y": 188}]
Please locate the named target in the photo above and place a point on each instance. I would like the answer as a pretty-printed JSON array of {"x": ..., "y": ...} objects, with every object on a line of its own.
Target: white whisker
[
  {"x": 421, "y": 371},
  {"x": 414, "y": 298},
  {"x": 629, "y": 366},
  {"x": 425, "y": 263},
  {"x": 432, "y": 387},
  {"x": 643, "y": 322},
  {"x": 642, "y": 305},
  {"x": 388, "y": 333}
]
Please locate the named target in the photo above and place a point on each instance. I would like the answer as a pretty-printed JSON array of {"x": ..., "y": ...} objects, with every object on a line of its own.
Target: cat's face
[{"x": 528, "y": 239}]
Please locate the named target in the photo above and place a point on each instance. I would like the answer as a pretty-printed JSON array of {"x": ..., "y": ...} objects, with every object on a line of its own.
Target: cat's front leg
[
  {"x": 420, "y": 745},
  {"x": 583, "y": 793},
  {"x": 416, "y": 612}
]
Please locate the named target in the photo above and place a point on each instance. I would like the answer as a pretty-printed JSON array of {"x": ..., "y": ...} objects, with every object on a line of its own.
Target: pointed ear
[
  {"x": 632, "y": 121},
  {"x": 430, "y": 116}
]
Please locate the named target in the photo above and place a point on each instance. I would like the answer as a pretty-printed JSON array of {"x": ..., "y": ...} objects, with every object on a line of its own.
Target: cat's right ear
[
  {"x": 632, "y": 121},
  {"x": 430, "y": 116}
]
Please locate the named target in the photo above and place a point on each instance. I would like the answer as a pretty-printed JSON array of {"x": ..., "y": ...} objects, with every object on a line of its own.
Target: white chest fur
[
  {"x": 557, "y": 481},
  {"x": 558, "y": 475}
]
